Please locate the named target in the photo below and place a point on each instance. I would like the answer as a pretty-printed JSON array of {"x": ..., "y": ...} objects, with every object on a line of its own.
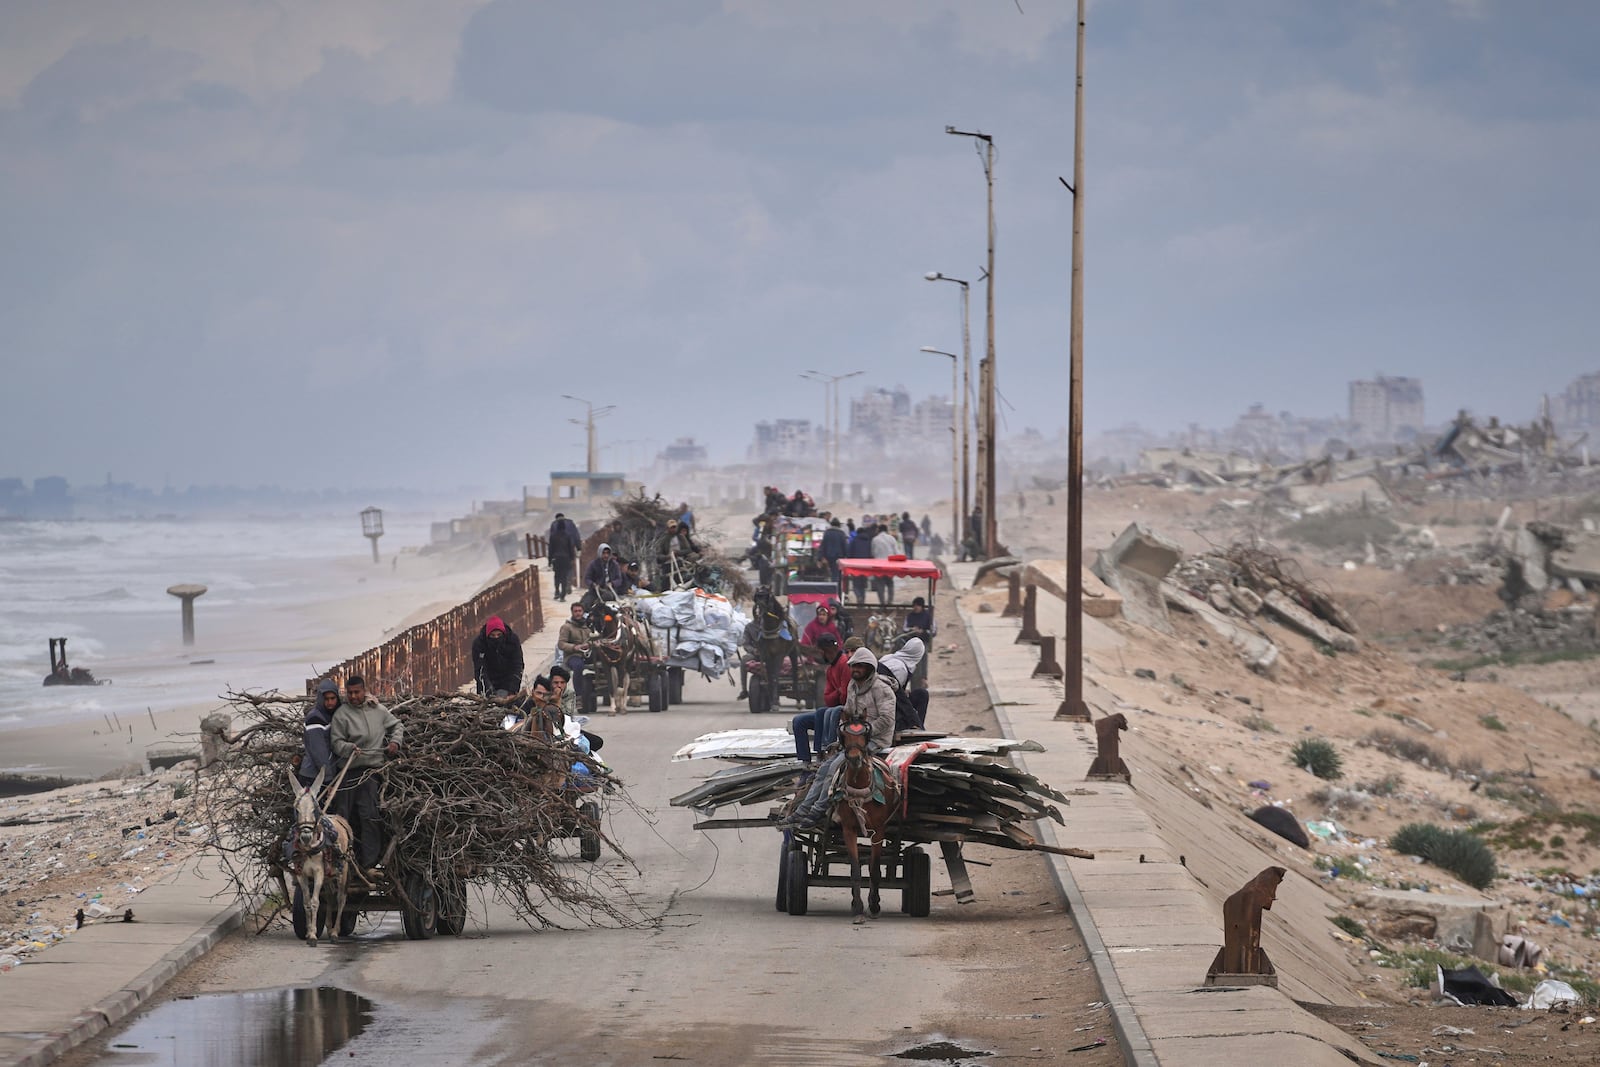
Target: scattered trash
[
  {"x": 1471, "y": 986},
  {"x": 1098, "y": 1042},
  {"x": 1262, "y": 784},
  {"x": 1325, "y": 830},
  {"x": 1283, "y": 823},
  {"x": 1145, "y": 673},
  {"x": 1453, "y": 1031},
  {"x": 1549, "y": 994}
]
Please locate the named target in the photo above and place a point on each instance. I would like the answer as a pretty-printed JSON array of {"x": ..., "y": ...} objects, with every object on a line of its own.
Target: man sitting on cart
[
  {"x": 573, "y": 642},
  {"x": 823, "y": 722},
  {"x": 868, "y": 699},
  {"x": 602, "y": 577},
  {"x": 822, "y": 625},
  {"x": 363, "y": 735}
]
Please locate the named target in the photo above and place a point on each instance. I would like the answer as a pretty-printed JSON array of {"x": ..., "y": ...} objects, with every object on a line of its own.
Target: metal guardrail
[{"x": 436, "y": 656}]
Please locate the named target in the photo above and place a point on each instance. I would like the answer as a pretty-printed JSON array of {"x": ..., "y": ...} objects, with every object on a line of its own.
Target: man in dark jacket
[
  {"x": 603, "y": 576},
  {"x": 319, "y": 714},
  {"x": 562, "y": 544},
  {"x": 909, "y": 531},
  {"x": 860, "y": 547},
  {"x": 497, "y": 659},
  {"x": 833, "y": 547}
]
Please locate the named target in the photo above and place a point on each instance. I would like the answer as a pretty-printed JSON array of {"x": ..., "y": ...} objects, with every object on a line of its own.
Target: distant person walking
[
  {"x": 909, "y": 531},
  {"x": 834, "y": 544},
  {"x": 562, "y": 544}
]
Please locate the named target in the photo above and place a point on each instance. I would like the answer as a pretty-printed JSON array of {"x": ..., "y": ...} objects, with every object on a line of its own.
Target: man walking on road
[{"x": 562, "y": 544}]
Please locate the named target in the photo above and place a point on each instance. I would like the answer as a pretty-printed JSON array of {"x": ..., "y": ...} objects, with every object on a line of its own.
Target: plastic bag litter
[
  {"x": 1326, "y": 829},
  {"x": 1471, "y": 986},
  {"x": 1550, "y": 993}
]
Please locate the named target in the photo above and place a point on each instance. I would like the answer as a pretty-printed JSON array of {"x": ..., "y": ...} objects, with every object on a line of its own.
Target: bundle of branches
[
  {"x": 635, "y": 532},
  {"x": 1263, "y": 569},
  {"x": 466, "y": 802},
  {"x": 954, "y": 795}
]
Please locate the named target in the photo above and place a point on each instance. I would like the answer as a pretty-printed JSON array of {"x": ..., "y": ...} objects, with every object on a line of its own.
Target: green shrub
[
  {"x": 1456, "y": 851},
  {"x": 1491, "y": 722},
  {"x": 1317, "y": 756},
  {"x": 1349, "y": 925}
]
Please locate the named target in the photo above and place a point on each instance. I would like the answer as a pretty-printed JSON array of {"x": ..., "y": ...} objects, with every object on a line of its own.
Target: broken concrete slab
[
  {"x": 1363, "y": 490},
  {"x": 1300, "y": 619},
  {"x": 1134, "y": 567},
  {"x": 1258, "y": 653},
  {"x": 1462, "y": 923},
  {"x": 1578, "y": 558},
  {"x": 1050, "y": 575}
]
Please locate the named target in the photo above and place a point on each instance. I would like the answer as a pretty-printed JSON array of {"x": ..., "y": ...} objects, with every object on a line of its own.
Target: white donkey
[{"x": 319, "y": 855}]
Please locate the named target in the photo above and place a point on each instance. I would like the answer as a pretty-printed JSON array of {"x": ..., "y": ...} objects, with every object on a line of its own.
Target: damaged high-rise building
[{"x": 1385, "y": 408}]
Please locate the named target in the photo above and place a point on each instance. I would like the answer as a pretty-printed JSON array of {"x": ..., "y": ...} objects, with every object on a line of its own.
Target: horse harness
[{"x": 327, "y": 841}]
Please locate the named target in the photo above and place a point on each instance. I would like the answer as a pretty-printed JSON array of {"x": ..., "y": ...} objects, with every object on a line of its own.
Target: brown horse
[{"x": 870, "y": 798}]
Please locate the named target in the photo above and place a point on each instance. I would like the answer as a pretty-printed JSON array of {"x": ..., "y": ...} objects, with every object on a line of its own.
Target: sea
[{"x": 102, "y": 586}]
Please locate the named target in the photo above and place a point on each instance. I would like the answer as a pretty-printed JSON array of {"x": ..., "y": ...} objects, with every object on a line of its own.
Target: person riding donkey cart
[
  {"x": 573, "y": 642},
  {"x": 870, "y": 700},
  {"x": 363, "y": 735},
  {"x": 497, "y": 658}
]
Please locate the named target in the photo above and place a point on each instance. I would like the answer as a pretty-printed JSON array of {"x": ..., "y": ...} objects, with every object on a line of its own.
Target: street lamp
[
  {"x": 1072, "y": 706},
  {"x": 827, "y": 422},
  {"x": 955, "y": 455},
  {"x": 966, "y": 392},
  {"x": 588, "y": 424},
  {"x": 986, "y": 369},
  {"x": 833, "y": 381}
]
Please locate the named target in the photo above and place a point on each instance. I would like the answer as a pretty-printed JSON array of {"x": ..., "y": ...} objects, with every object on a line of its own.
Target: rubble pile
[
  {"x": 88, "y": 848},
  {"x": 1550, "y": 583}
]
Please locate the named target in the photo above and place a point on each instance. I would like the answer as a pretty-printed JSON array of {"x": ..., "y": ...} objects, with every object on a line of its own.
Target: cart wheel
[
  {"x": 589, "y": 831},
  {"x": 783, "y": 874},
  {"x": 419, "y": 922},
  {"x": 452, "y": 917},
  {"x": 796, "y": 881},
  {"x": 917, "y": 898},
  {"x": 347, "y": 919},
  {"x": 297, "y": 914},
  {"x": 675, "y": 685},
  {"x": 758, "y": 695},
  {"x": 589, "y": 702},
  {"x": 656, "y": 692}
]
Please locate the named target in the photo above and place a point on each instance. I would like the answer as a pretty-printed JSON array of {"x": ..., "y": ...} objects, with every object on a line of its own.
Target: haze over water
[{"x": 102, "y": 585}]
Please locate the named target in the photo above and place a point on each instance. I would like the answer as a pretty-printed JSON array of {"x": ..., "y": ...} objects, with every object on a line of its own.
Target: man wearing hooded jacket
[{"x": 868, "y": 699}]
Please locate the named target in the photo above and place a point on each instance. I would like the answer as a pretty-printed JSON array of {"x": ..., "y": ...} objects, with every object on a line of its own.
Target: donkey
[
  {"x": 780, "y": 639},
  {"x": 619, "y": 644},
  {"x": 319, "y": 855},
  {"x": 870, "y": 798}
]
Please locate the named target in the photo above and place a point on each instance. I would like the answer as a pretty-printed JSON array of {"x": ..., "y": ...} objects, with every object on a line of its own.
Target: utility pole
[
  {"x": 955, "y": 460},
  {"x": 966, "y": 414},
  {"x": 593, "y": 457},
  {"x": 986, "y": 369},
  {"x": 831, "y": 414},
  {"x": 1072, "y": 706}
]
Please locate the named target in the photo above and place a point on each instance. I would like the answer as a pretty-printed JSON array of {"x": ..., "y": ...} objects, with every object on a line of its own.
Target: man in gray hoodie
[
  {"x": 869, "y": 699},
  {"x": 364, "y": 733}
]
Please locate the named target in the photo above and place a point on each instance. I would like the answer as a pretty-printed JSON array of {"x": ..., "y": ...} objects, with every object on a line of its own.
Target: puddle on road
[
  {"x": 941, "y": 1052},
  {"x": 264, "y": 1028}
]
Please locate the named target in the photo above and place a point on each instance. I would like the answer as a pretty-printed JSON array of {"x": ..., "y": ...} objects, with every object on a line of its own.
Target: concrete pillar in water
[{"x": 187, "y": 593}]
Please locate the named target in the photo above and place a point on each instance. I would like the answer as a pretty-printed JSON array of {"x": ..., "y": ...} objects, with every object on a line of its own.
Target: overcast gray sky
[{"x": 330, "y": 241}]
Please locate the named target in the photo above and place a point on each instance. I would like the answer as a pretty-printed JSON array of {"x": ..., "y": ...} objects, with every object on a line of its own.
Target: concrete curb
[
  {"x": 1136, "y": 1047},
  {"x": 111, "y": 1010}
]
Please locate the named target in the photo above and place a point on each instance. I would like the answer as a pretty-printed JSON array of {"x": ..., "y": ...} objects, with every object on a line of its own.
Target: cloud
[{"x": 432, "y": 215}]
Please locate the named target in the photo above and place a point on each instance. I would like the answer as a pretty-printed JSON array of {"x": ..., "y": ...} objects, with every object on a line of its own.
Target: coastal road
[{"x": 723, "y": 979}]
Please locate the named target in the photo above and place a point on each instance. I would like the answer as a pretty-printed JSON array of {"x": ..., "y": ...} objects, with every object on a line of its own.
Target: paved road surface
[{"x": 723, "y": 979}]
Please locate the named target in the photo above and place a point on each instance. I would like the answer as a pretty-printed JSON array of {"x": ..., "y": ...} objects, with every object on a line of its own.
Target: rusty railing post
[
  {"x": 1048, "y": 667},
  {"x": 1013, "y": 595},
  {"x": 1108, "y": 765},
  {"x": 1241, "y": 960},
  {"x": 1029, "y": 635}
]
